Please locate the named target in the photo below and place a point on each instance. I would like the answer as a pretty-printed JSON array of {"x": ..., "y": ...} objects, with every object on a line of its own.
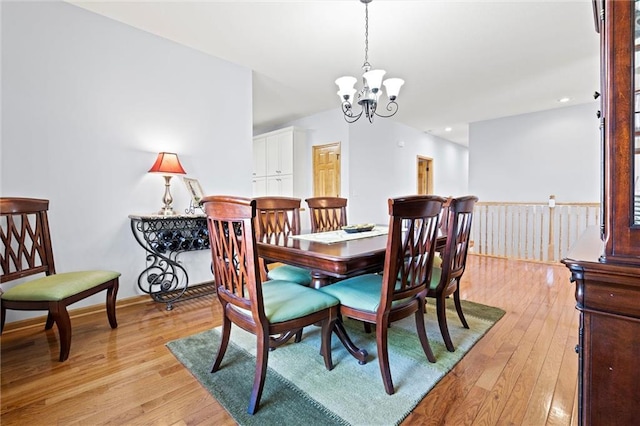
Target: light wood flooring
[{"x": 523, "y": 372}]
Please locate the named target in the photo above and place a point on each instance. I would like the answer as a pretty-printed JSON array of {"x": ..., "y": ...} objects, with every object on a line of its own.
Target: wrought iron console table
[{"x": 165, "y": 238}]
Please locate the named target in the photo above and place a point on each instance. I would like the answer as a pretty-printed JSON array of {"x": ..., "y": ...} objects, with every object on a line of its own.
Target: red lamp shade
[{"x": 167, "y": 163}]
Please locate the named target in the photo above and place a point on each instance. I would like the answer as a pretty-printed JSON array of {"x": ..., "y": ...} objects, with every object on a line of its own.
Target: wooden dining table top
[
  {"x": 336, "y": 260},
  {"x": 339, "y": 260}
]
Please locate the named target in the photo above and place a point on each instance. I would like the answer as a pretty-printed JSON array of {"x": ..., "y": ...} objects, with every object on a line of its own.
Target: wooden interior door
[
  {"x": 326, "y": 170},
  {"x": 425, "y": 175}
]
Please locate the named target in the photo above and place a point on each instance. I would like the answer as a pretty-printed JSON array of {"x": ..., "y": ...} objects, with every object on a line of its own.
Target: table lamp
[{"x": 167, "y": 164}]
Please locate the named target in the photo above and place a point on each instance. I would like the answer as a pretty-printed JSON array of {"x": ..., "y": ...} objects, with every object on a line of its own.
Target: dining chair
[
  {"x": 401, "y": 289},
  {"x": 277, "y": 218},
  {"x": 26, "y": 251},
  {"x": 327, "y": 213},
  {"x": 445, "y": 278},
  {"x": 264, "y": 309}
]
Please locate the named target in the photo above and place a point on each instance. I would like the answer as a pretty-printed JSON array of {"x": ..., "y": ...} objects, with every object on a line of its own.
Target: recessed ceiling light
[
  {"x": 447, "y": 129},
  {"x": 563, "y": 100}
]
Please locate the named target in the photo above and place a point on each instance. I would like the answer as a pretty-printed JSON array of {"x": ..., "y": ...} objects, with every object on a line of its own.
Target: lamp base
[
  {"x": 167, "y": 212},
  {"x": 167, "y": 199}
]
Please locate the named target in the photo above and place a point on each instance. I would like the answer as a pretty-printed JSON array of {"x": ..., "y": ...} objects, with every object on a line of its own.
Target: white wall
[
  {"x": 375, "y": 168},
  {"x": 531, "y": 156},
  {"x": 380, "y": 169},
  {"x": 87, "y": 103}
]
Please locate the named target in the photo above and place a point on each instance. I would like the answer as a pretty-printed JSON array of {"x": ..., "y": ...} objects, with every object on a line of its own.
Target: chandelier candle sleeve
[{"x": 370, "y": 93}]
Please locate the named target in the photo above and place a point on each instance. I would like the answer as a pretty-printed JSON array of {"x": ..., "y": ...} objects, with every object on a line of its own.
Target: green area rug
[{"x": 300, "y": 391}]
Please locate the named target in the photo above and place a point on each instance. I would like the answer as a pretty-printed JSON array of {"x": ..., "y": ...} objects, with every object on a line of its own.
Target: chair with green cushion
[
  {"x": 401, "y": 289},
  {"x": 26, "y": 251},
  {"x": 278, "y": 218},
  {"x": 268, "y": 309},
  {"x": 445, "y": 280}
]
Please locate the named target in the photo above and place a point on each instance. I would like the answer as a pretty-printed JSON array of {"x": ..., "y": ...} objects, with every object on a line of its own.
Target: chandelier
[{"x": 369, "y": 95}]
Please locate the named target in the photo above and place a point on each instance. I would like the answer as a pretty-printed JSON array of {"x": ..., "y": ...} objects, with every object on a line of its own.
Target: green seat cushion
[
  {"x": 436, "y": 272},
  {"x": 58, "y": 286},
  {"x": 291, "y": 273},
  {"x": 361, "y": 292},
  {"x": 284, "y": 300}
]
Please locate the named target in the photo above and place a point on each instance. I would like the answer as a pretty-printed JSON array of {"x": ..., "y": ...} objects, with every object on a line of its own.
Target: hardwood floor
[{"x": 523, "y": 372}]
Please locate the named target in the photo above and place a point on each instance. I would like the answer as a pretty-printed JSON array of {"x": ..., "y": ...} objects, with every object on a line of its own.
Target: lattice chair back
[
  {"x": 327, "y": 213},
  {"x": 277, "y": 218},
  {"x": 234, "y": 260},
  {"x": 458, "y": 237},
  {"x": 25, "y": 238},
  {"x": 413, "y": 231}
]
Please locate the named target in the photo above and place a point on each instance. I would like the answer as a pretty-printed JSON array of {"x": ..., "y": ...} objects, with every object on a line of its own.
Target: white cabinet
[
  {"x": 280, "y": 185},
  {"x": 279, "y": 163},
  {"x": 259, "y": 186}
]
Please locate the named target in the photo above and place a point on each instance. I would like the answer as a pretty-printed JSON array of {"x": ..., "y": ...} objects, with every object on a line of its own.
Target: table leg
[
  {"x": 318, "y": 279},
  {"x": 359, "y": 354}
]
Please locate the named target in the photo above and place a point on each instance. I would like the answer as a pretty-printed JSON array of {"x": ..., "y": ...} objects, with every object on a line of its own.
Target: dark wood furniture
[
  {"x": 165, "y": 238},
  {"x": 327, "y": 213},
  {"x": 26, "y": 251},
  {"x": 445, "y": 279},
  {"x": 278, "y": 218},
  {"x": 401, "y": 290},
  {"x": 328, "y": 261},
  {"x": 264, "y": 309},
  {"x": 605, "y": 265}
]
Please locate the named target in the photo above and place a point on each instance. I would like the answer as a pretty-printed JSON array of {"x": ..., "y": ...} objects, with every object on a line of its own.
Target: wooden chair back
[
  {"x": 277, "y": 218},
  {"x": 26, "y": 241},
  {"x": 230, "y": 221},
  {"x": 413, "y": 231},
  {"x": 444, "y": 216},
  {"x": 454, "y": 256},
  {"x": 327, "y": 213}
]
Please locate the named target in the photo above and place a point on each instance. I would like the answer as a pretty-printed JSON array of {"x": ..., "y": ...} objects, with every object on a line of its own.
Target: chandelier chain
[{"x": 366, "y": 34}]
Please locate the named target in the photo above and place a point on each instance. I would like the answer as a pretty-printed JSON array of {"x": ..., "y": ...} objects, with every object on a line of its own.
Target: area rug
[{"x": 300, "y": 391}]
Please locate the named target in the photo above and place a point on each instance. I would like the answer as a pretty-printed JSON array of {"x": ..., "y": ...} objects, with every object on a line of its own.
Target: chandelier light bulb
[
  {"x": 346, "y": 88},
  {"x": 393, "y": 86},
  {"x": 374, "y": 79}
]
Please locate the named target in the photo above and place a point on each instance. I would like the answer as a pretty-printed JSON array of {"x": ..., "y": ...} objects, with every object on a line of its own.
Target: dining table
[
  {"x": 331, "y": 256},
  {"x": 328, "y": 255}
]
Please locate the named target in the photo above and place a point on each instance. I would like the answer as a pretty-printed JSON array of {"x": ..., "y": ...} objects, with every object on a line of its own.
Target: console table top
[{"x": 163, "y": 217}]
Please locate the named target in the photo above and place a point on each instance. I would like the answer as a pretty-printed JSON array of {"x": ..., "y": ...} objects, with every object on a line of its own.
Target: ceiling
[{"x": 463, "y": 61}]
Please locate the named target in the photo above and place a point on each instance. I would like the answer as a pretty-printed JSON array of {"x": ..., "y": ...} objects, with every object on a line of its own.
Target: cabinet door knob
[
  {"x": 599, "y": 114},
  {"x": 577, "y": 349}
]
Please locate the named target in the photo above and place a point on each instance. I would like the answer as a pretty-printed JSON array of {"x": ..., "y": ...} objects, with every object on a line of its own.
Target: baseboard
[{"x": 73, "y": 313}]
